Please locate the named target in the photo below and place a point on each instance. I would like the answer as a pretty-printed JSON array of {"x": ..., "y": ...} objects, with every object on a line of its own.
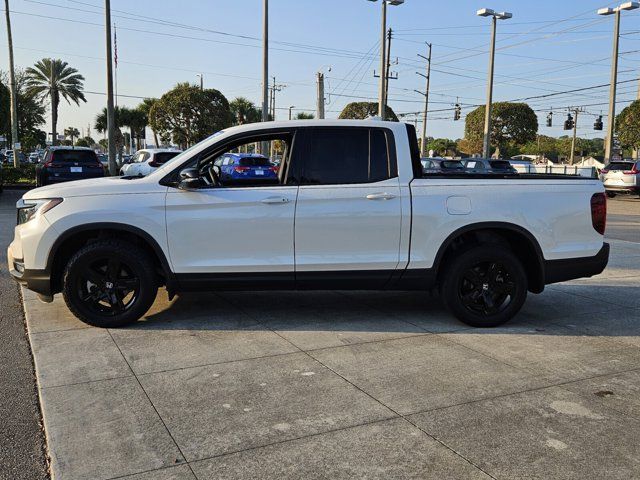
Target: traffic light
[
  {"x": 598, "y": 123},
  {"x": 550, "y": 119},
  {"x": 568, "y": 123},
  {"x": 456, "y": 112}
]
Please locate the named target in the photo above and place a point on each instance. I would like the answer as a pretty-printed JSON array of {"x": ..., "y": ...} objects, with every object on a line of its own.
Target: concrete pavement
[{"x": 348, "y": 385}]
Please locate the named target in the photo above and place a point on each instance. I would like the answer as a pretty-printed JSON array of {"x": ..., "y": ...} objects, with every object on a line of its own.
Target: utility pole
[
  {"x": 576, "y": 111},
  {"x": 111, "y": 126},
  {"x": 636, "y": 151},
  {"x": 383, "y": 64},
  {"x": 15, "y": 142},
  {"x": 273, "y": 89},
  {"x": 387, "y": 70},
  {"x": 265, "y": 70},
  {"x": 320, "y": 100},
  {"x": 290, "y": 109},
  {"x": 423, "y": 146},
  {"x": 201, "y": 81}
]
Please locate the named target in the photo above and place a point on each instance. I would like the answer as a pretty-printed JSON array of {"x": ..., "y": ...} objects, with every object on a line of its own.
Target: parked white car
[
  {"x": 351, "y": 208},
  {"x": 146, "y": 161}
]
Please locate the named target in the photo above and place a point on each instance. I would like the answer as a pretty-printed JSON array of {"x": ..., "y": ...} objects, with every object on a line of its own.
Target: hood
[{"x": 95, "y": 186}]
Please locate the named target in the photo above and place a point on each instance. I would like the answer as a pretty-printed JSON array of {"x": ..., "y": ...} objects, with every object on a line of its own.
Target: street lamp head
[
  {"x": 503, "y": 15},
  {"x": 391, "y": 2},
  {"x": 606, "y": 11},
  {"x": 485, "y": 12},
  {"x": 629, "y": 6}
]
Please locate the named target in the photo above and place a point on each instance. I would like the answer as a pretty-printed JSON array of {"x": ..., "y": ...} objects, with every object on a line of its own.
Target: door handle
[
  {"x": 275, "y": 200},
  {"x": 380, "y": 196}
]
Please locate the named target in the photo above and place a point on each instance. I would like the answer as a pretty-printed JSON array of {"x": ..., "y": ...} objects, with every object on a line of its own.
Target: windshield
[
  {"x": 74, "y": 156},
  {"x": 452, "y": 164},
  {"x": 620, "y": 166},
  {"x": 255, "y": 162}
]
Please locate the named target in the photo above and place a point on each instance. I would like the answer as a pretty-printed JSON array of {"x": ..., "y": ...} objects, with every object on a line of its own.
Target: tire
[
  {"x": 484, "y": 286},
  {"x": 611, "y": 194},
  {"x": 109, "y": 283}
]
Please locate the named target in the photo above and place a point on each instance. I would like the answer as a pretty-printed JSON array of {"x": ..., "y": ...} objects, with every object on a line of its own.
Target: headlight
[{"x": 27, "y": 209}]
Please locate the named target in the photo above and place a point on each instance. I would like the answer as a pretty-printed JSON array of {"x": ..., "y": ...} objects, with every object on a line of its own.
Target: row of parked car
[{"x": 471, "y": 165}]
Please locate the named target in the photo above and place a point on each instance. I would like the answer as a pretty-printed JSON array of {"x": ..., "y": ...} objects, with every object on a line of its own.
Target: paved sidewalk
[{"x": 348, "y": 385}]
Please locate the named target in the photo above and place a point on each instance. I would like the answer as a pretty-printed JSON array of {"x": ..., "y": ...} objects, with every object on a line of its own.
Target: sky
[{"x": 549, "y": 46}]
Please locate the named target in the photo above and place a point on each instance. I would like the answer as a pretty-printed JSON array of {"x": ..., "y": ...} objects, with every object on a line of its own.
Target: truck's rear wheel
[
  {"x": 484, "y": 286},
  {"x": 109, "y": 283}
]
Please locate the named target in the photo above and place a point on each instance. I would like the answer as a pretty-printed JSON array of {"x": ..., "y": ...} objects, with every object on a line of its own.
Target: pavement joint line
[
  {"x": 528, "y": 390},
  {"x": 73, "y": 384},
  {"x": 184, "y": 458}
]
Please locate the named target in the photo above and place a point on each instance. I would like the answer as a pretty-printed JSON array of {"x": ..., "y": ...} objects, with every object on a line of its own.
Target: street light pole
[
  {"x": 608, "y": 147},
  {"x": 486, "y": 139},
  {"x": 111, "y": 126},
  {"x": 495, "y": 16},
  {"x": 201, "y": 81},
  {"x": 291, "y": 108},
  {"x": 265, "y": 62}
]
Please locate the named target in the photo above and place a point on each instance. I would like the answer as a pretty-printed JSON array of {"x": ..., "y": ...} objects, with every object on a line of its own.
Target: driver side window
[{"x": 254, "y": 161}]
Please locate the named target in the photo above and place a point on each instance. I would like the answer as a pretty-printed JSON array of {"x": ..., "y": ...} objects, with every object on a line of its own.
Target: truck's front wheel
[
  {"x": 484, "y": 286},
  {"x": 109, "y": 283}
]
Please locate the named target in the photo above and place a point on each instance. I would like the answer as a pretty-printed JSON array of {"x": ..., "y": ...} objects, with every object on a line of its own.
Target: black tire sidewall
[
  {"x": 135, "y": 258},
  {"x": 458, "y": 266}
]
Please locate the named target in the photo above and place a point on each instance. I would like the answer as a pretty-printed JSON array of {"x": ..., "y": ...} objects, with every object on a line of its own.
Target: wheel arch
[
  {"x": 521, "y": 241},
  {"x": 70, "y": 240}
]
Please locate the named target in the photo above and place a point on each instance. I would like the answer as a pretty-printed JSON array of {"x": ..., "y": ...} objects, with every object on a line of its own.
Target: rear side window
[
  {"x": 255, "y": 162},
  {"x": 452, "y": 164},
  {"x": 499, "y": 164},
  {"x": 74, "y": 156},
  {"x": 162, "y": 157},
  {"x": 347, "y": 156}
]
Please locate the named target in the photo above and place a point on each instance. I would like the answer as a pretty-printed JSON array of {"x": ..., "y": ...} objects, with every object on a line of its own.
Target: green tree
[
  {"x": 362, "y": 110},
  {"x": 104, "y": 144},
  {"x": 145, "y": 108},
  {"x": 304, "y": 116},
  {"x": 188, "y": 114},
  {"x": 32, "y": 139},
  {"x": 628, "y": 125},
  {"x": 85, "y": 142},
  {"x": 71, "y": 132},
  {"x": 30, "y": 112},
  {"x": 512, "y": 125},
  {"x": 442, "y": 146},
  {"x": 52, "y": 79},
  {"x": 244, "y": 111}
]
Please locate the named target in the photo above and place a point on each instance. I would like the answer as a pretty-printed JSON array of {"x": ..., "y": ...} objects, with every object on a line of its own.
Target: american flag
[{"x": 115, "y": 45}]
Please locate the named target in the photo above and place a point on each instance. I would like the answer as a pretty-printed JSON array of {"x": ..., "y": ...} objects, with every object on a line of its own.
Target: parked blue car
[{"x": 246, "y": 167}]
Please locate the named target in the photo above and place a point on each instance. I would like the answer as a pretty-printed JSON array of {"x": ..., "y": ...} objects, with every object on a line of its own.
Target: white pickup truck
[{"x": 350, "y": 208}]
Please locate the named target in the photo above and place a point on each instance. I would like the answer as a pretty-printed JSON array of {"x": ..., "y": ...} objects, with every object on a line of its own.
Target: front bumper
[
  {"x": 38, "y": 281},
  {"x": 571, "y": 268}
]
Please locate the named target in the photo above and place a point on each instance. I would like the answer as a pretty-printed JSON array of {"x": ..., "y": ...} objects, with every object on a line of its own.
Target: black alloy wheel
[
  {"x": 110, "y": 283},
  {"x": 484, "y": 285}
]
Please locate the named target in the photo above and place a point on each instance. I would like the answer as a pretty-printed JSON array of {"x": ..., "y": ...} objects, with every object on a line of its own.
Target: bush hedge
[{"x": 24, "y": 174}]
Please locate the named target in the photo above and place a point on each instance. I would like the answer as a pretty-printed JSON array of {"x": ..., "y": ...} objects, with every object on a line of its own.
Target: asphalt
[
  {"x": 623, "y": 218},
  {"x": 22, "y": 444}
]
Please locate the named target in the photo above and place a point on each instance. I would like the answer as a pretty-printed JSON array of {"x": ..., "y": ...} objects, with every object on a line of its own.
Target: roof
[
  {"x": 68, "y": 147},
  {"x": 158, "y": 150},
  {"x": 247, "y": 155}
]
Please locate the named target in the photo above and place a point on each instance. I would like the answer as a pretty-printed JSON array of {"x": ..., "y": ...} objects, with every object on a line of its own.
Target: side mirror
[{"x": 190, "y": 179}]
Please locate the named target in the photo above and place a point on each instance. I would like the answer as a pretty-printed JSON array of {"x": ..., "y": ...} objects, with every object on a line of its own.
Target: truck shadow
[{"x": 567, "y": 309}]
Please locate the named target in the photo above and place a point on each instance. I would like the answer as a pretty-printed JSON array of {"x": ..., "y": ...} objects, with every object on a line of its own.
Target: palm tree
[
  {"x": 244, "y": 111},
  {"x": 145, "y": 108},
  {"x": 54, "y": 78},
  {"x": 71, "y": 132}
]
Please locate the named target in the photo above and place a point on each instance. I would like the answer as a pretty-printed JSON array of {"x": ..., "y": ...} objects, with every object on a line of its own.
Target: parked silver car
[{"x": 621, "y": 177}]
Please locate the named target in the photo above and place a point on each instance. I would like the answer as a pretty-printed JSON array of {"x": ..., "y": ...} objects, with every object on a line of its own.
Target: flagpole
[{"x": 115, "y": 49}]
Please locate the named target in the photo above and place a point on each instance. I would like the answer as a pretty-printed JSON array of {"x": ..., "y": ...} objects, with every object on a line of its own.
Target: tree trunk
[
  {"x": 54, "y": 118},
  {"x": 155, "y": 138}
]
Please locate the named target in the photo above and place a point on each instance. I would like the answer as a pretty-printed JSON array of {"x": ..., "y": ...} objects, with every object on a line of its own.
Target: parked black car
[
  {"x": 488, "y": 165},
  {"x": 441, "y": 165},
  {"x": 63, "y": 164}
]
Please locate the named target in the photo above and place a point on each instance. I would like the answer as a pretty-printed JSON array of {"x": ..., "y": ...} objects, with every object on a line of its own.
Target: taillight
[
  {"x": 633, "y": 171},
  {"x": 241, "y": 169},
  {"x": 599, "y": 212},
  {"x": 604, "y": 170},
  {"x": 274, "y": 169}
]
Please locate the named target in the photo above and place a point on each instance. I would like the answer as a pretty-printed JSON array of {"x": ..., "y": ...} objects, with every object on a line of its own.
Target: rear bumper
[
  {"x": 38, "y": 281},
  {"x": 622, "y": 188},
  {"x": 571, "y": 268}
]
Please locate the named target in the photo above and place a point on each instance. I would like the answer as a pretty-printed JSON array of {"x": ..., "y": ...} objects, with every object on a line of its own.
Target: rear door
[{"x": 348, "y": 215}]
